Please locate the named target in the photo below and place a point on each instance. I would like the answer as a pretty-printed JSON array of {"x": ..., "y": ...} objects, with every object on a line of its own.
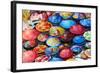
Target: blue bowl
[
  {"x": 51, "y": 51},
  {"x": 78, "y": 39},
  {"x": 76, "y": 49},
  {"x": 55, "y": 59},
  {"x": 55, "y": 19},
  {"x": 85, "y": 22},
  {"x": 67, "y": 23}
]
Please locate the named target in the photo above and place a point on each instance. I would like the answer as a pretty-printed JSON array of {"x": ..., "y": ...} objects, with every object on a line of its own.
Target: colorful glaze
[
  {"x": 88, "y": 45},
  {"x": 87, "y": 35},
  {"x": 76, "y": 49},
  {"x": 85, "y": 22},
  {"x": 40, "y": 48},
  {"x": 56, "y": 31},
  {"x": 88, "y": 15},
  {"x": 34, "y": 16},
  {"x": 43, "y": 26},
  {"x": 77, "y": 29},
  {"x": 43, "y": 16},
  {"x": 86, "y": 54},
  {"x": 42, "y": 37},
  {"x": 67, "y": 36},
  {"x": 67, "y": 23},
  {"x": 78, "y": 16},
  {"x": 66, "y": 15},
  {"x": 53, "y": 59},
  {"x": 51, "y": 51},
  {"x": 50, "y": 36},
  {"x": 53, "y": 41},
  {"x": 66, "y": 53},
  {"x": 30, "y": 34},
  {"x": 55, "y": 19},
  {"x": 78, "y": 39},
  {"x": 28, "y": 45},
  {"x": 33, "y": 23},
  {"x": 42, "y": 58},
  {"x": 26, "y": 26},
  {"x": 29, "y": 56}
]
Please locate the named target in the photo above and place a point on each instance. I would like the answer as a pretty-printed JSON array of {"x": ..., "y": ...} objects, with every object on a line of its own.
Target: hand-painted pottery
[
  {"x": 40, "y": 15},
  {"x": 33, "y": 23},
  {"x": 42, "y": 37},
  {"x": 77, "y": 29},
  {"x": 34, "y": 16},
  {"x": 43, "y": 26},
  {"x": 49, "y": 36},
  {"x": 88, "y": 15},
  {"x": 86, "y": 54},
  {"x": 66, "y": 15},
  {"x": 83, "y": 56},
  {"x": 42, "y": 58},
  {"x": 62, "y": 46},
  {"x": 28, "y": 45},
  {"x": 66, "y": 53},
  {"x": 79, "y": 40},
  {"x": 78, "y": 16},
  {"x": 55, "y": 19},
  {"x": 49, "y": 13},
  {"x": 67, "y": 23},
  {"x": 30, "y": 34},
  {"x": 56, "y": 31},
  {"x": 53, "y": 59},
  {"x": 51, "y": 51},
  {"x": 43, "y": 16},
  {"x": 40, "y": 48},
  {"x": 87, "y": 35},
  {"x": 26, "y": 26},
  {"x": 40, "y": 54},
  {"x": 29, "y": 56},
  {"x": 67, "y": 36},
  {"x": 25, "y": 15},
  {"x": 85, "y": 22},
  {"x": 53, "y": 41},
  {"x": 76, "y": 49},
  {"x": 88, "y": 45}
]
